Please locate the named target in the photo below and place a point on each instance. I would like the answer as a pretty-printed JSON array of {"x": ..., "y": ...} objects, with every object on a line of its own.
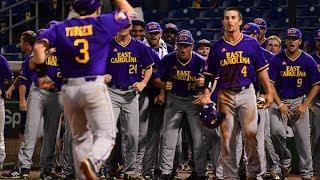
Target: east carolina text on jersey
[{"x": 234, "y": 58}]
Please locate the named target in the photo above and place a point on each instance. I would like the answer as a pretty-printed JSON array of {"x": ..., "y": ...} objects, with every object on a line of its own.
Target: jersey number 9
[{"x": 83, "y": 51}]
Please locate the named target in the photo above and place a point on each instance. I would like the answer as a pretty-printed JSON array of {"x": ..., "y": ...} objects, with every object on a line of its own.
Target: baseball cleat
[{"x": 87, "y": 170}]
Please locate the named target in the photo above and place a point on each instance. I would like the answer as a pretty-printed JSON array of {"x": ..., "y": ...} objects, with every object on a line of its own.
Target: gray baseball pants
[
  {"x": 301, "y": 130},
  {"x": 127, "y": 103},
  {"x": 46, "y": 105},
  {"x": 176, "y": 106}
]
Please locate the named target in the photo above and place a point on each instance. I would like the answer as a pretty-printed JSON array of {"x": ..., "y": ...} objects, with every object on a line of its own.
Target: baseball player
[
  {"x": 293, "y": 74},
  {"x": 127, "y": 56},
  {"x": 263, "y": 30},
  {"x": 138, "y": 30},
  {"x": 274, "y": 44},
  {"x": 315, "y": 136},
  {"x": 237, "y": 67},
  {"x": 263, "y": 133},
  {"x": 27, "y": 40},
  {"x": 82, "y": 56},
  {"x": 178, "y": 73},
  {"x": 39, "y": 101},
  {"x": 5, "y": 81},
  {"x": 169, "y": 34},
  {"x": 154, "y": 41},
  {"x": 212, "y": 138}
]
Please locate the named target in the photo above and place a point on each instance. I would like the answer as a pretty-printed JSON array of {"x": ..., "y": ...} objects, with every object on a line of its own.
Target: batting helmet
[
  {"x": 39, "y": 32},
  {"x": 85, "y": 7},
  {"x": 210, "y": 117}
]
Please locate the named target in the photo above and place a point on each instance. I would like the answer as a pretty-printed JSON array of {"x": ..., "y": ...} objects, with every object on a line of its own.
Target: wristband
[
  {"x": 280, "y": 105},
  {"x": 145, "y": 82}
]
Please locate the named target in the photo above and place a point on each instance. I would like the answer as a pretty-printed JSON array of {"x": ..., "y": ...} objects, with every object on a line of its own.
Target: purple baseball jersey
[
  {"x": 53, "y": 71},
  {"x": 125, "y": 62},
  {"x": 236, "y": 64},
  {"x": 26, "y": 73},
  {"x": 264, "y": 44},
  {"x": 183, "y": 75},
  {"x": 5, "y": 70},
  {"x": 316, "y": 57},
  {"x": 82, "y": 44},
  {"x": 293, "y": 77},
  {"x": 257, "y": 85}
]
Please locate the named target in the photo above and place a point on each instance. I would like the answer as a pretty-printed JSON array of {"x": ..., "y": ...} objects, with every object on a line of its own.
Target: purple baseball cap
[
  {"x": 185, "y": 32},
  {"x": 260, "y": 22},
  {"x": 153, "y": 27},
  {"x": 204, "y": 42},
  {"x": 185, "y": 39},
  {"x": 251, "y": 28},
  {"x": 170, "y": 26},
  {"x": 317, "y": 35},
  {"x": 293, "y": 32}
]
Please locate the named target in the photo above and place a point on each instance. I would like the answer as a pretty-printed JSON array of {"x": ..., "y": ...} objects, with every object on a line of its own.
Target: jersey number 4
[
  {"x": 84, "y": 50},
  {"x": 244, "y": 71}
]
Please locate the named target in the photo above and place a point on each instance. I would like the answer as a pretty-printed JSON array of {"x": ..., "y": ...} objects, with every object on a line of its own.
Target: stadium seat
[
  {"x": 181, "y": 13},
  {"x": 203, "y": 35},
  {"x": 263, "y": 4},
  {"x": 211, "y": 13},
  {"x": 193, "y": 24},
  {"x": 214, "y": 23},
  {"x": 306, "y": 11},
  {"x": 282, "y": 22},
  {"x": 247, "y": 12}
]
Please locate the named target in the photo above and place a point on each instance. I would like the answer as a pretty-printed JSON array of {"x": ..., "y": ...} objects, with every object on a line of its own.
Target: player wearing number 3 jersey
[
  {"x": 238, "y": 60},
  {"x": 82, "y": 48}
]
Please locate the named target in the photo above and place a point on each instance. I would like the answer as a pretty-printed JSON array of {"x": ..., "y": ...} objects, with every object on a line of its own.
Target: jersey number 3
[{"x": 83, "y": 51}]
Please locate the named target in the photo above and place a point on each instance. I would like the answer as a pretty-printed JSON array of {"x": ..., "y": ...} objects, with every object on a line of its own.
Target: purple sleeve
[
  {"x": 49, "y": 34},
  {"x": 273, "y": 69},
  {"x": 161, "y": 69},
  {"x": 25, "y": 73},
  {"x": 314, "y": 72},
  {"x": 169, "y": 48},
  {"x": 147, "y": 58},
  {"x": 107, "y": 19},
  {"x": 211, "y": 64},
  {"x": 6, "y": 72},
  {"x": 260, "y": 62}
]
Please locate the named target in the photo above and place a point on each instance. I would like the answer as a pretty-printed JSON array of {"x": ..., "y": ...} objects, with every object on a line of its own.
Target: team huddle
[{"x": 123, "y": 93}]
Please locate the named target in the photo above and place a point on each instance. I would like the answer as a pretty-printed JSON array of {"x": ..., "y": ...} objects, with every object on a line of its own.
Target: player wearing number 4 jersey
[
  {"x": 237, "y": 66},
  {"x": 82, "y": 48},
  {"x": 294, "y": 74}
]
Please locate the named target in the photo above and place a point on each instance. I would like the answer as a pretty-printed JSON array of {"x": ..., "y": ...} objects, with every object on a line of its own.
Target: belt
[
  {"x": 122, "y": 88},
  {"x": 93, "y": 78},
  {"x": 292, "y": 97},
  {"x": 238, "y": 89},
  {"x": 53, "y": 90},
  {"x": 183, "y": 95}
]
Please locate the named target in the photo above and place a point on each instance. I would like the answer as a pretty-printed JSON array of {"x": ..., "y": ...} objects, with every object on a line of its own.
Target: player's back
[{"x": 82, "y": 44}]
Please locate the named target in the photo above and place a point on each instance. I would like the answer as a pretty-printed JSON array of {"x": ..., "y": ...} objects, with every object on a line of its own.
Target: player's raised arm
[{"x": 124, "y": 6}]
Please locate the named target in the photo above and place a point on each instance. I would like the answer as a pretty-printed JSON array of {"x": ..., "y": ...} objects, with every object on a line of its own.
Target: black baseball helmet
[
  {"x": 210, "y": 117},
  {"x": 85, "y": 7}
]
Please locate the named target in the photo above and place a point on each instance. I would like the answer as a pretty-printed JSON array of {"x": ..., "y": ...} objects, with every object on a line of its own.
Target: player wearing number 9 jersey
[
  {"x": 296, "y": 80},
  {"x": 82, "y": 48}
]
